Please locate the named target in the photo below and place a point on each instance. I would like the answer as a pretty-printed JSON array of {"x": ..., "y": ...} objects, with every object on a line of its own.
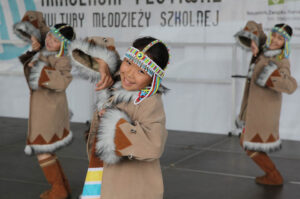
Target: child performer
[
  {"x": 268, "y": 77},
  {"x": 47, "y": 72},
  {"x": 131, "y": 133}
]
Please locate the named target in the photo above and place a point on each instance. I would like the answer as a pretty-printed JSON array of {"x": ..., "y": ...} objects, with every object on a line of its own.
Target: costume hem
[
  {"x": 48, "y": 148},
  {"x": 263, "y": 147}
]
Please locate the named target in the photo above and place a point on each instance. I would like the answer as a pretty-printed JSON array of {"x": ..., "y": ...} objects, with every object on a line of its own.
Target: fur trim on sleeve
[
  {"x": 266, "y": 73},
  {"x": 24, "y": 30},
  {"x": 35, "y": 74},
  {"x": 105, "y": 146},
  {"x": 102, "y": 97},
  {"x": 81, "y": 53}
]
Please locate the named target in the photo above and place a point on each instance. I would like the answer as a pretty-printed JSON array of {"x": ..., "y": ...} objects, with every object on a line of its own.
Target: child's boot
[
  {"x": 52, "y": 172},
  {"x": 272, "y": 176}
]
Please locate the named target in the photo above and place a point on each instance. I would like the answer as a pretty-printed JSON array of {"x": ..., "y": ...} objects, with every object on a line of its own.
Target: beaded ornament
[
  {"x": 142, "y": 60},
  {"x": 64, "y": 41},
  {"x": 287, "y": 38}
]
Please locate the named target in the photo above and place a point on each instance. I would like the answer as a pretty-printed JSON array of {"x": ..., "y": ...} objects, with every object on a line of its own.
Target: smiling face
[
  {"x": 277, "y": 41},
  {"x": 52, "y": 43},
  {"x": 133, "y": 77}
]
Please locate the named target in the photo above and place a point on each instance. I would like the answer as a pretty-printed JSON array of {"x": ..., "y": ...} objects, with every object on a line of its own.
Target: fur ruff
[
  {"x": 248, "y": 35},
  {"x": 102, "y": 98},
  {"x": 122, "y": 95},
  {"x": 263, "y": 147},
  {"x": 48, "y": 148},
  {"x": 266, "y": 73},
  {"x": 272, "y": 53},
  {"x": 119, "y": 95},
  {"x": 27, "y": 28},
  {"x": 78, "y": 69},
  {"x": 105, "y": 146},
  {"x": 35, "y": 74},
  {"x": 36, "y": 70}
]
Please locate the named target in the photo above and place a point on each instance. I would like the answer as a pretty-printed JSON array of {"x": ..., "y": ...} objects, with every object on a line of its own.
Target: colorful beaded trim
[
  {"x": 64, "y": 41},
  {"x": 58, "y": 35},
  {"x": 282, "y": 32},
  {"x": 142, "y": 60}
]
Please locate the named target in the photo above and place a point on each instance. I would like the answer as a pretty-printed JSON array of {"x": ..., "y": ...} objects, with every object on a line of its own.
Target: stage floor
[{"x": 195, "y": 166}]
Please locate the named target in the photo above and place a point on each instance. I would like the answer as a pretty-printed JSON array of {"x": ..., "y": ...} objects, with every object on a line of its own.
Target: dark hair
[
  {"x": 67, "y": 31},
  {"x": 158, "y": 52},
  {"x": 287, "y": 28}
]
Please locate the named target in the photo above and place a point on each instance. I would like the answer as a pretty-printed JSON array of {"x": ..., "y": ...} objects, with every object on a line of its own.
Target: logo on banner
[
  {"x": 11, "y": 51},
  {"x": 275, "y": 2}
]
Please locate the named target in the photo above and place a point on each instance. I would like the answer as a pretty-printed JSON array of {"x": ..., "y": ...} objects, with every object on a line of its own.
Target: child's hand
[
  {"x": 35, "y": 44},
  {"x": 254, "y": 48},
  {"x": 101, "y": 113},
  {"x": 31, "y": 64},
  {"x": 106, "y": 79}
]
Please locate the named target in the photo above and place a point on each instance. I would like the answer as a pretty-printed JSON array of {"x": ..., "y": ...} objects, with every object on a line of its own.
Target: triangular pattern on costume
[{"x": 257, "y": 138}]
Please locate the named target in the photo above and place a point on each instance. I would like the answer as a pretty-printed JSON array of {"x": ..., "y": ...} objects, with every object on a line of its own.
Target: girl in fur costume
[
  {"x": 129, "y": 123},
  {"x": 269, "y": 76},
  {"x": 47, "y": 71}
]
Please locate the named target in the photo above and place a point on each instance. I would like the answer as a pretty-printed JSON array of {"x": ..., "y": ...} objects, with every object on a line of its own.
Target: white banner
[{"x": 180, "y": 21}]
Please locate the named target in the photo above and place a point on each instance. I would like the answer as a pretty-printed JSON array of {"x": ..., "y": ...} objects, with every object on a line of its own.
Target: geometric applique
[
  {"x": 257, "y": 138},
  {"x": 40, "y": 140},
  {"x": 269, "y": 82},
  {"x": 54, "y": 139},
  {"x": 121, "y": 140},
  {"x": 44, "y": 77},
  {"x": 66, "y": 133},
  {"x": 276, "y": 73},
  {"x": 271, "y": 139}
]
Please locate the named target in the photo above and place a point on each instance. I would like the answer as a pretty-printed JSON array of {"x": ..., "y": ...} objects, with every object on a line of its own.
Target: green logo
[{"x": 275, "y": 2}]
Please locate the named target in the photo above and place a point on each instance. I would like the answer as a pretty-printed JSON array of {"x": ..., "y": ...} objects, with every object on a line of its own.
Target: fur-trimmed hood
[
  {"x": 82, "y": 53},
  {"x": 252, "y": 31},
  {"x": 32, "y": 24}
]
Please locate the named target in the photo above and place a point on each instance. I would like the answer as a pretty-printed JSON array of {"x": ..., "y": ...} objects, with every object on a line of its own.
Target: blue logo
[{"x": 11, "y": 51}]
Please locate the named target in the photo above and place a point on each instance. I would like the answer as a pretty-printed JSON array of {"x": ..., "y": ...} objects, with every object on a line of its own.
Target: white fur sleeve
[
  {"x": 35, "y": 74},
  {"x": 105, "y": 146},
  {"x": 266, "y": 73}
]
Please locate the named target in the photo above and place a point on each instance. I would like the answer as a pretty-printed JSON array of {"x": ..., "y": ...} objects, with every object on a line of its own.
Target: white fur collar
[
  {"x": 272, "y": 53},
  {"x": 122, "y": 95},
  {"x": 43, "y": 52},
  {"x": 119, "y": 95}
]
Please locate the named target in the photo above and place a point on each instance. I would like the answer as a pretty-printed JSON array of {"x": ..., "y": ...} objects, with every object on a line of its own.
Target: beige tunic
[
  {"x": 139, "y": 144},
  {"x": 48, "y": 125},
  {"x": 261, "y": 106}
]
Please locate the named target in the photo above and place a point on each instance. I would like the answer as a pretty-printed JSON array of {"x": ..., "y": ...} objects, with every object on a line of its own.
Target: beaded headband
[
  {"x": 153, "y": 70},
  {"x": 282, "y": 32},
  {"x": 143, "y": 61},
  {"x": 287, "y": 38},
  {"x": 64, "y": 41}
]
